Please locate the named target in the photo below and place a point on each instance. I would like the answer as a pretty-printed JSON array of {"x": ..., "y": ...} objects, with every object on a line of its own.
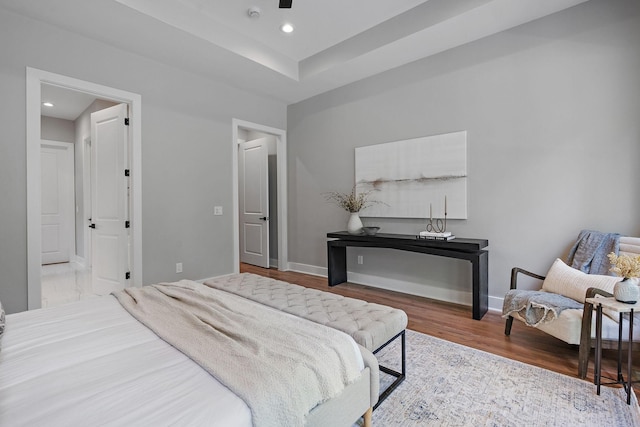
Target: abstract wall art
[{"x": 413, "y": 178}]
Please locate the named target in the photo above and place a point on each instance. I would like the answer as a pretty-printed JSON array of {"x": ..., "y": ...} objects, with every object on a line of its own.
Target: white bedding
[{"x": 91, "y": 363}]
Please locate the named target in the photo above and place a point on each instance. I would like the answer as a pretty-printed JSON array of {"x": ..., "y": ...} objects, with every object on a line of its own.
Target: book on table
[
  {"x": 428, "y": 235},
  {"x": 437, "y": 238}
]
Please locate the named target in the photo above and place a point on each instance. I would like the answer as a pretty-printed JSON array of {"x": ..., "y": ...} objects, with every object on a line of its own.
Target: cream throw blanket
[{"x": 280, "y": 365}]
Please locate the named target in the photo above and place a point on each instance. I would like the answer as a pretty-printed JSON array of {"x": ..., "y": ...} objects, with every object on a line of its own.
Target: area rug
[{"x": 452, "y": 385}]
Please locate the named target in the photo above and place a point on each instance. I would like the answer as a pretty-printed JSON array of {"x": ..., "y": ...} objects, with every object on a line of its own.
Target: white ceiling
[
  {"x": 318, "y": 25},
  {"x": 335, "y": 42},
  {"x": 67, "y": 104}
]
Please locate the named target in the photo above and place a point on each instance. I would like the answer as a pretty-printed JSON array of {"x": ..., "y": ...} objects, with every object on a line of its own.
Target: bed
[{"x": 93, "y": 363}]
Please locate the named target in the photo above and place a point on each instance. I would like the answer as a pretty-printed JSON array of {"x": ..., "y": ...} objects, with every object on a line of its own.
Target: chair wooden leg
[
  {"x": 585, "y": 341},
  {"x": 583, "y": 361},
  {"x": 583, "y": 354},
  {"x": 507, "y": 326},
  {"x": 367, "y": 418}
]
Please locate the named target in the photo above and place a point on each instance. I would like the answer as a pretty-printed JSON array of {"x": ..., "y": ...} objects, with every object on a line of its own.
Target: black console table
[{"x": 470, "y": 249}]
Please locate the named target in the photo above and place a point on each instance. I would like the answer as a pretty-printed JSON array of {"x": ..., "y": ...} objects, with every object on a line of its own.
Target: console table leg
[
  {"x": 337, "y": 264},
  {"x": 480, "y": 285}
]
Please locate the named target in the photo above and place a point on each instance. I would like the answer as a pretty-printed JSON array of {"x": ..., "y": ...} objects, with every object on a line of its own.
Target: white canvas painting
[{"x": 413, "y": 177}]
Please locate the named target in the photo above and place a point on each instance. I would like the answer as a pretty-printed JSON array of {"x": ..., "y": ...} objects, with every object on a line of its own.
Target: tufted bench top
[{"x": 371, "y": 325}]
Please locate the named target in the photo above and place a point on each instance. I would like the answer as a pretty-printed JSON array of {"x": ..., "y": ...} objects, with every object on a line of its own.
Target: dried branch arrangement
[{"x": 351, "y": 202}]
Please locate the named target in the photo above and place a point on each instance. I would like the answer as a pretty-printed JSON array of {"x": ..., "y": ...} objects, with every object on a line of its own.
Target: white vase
[
  {"x": 627, "y": 290},
  {"x": 354, "y": 226}
]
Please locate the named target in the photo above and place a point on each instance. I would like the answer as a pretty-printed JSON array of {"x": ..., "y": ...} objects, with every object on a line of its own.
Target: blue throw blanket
[
  {"x": 536, "y": 307},
  {"x": 589, "y": 253}
]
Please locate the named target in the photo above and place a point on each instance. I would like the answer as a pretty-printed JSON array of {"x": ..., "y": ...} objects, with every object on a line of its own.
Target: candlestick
[{"x": 438, "y": 225}]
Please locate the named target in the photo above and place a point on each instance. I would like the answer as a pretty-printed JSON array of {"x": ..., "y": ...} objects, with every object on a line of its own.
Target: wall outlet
[
  {"x": 178, "y": 267},
  {"x": 360, "y": 259},
  {"x": 217, "y": 210}
]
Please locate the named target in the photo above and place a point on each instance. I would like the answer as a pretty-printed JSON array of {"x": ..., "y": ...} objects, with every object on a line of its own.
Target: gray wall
[
  {"x": 54, "y": 129},
  {"x": 552, "y": 110},
  {"x": 186, "y": 150}
]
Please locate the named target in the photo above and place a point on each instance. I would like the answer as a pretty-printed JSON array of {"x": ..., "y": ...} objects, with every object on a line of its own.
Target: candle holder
[
  {"x": 437, "y": 226},
  {"x": 440, "y": 225}
]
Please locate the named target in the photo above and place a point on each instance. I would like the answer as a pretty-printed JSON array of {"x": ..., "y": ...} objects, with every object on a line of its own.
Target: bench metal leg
[{"x": 400, "y": 376}]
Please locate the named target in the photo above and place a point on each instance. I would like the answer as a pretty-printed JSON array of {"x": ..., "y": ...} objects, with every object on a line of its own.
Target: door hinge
[
  {"x": 126, "y": 121},
  {"x": 127, "y": 275},
  {"x": 127, "y": 224},
  {"x": 126, "y": 172}
]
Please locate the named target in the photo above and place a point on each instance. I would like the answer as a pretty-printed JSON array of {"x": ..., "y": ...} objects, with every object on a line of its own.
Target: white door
[
  {"x": 253, "y": 193},
  {"x": 58, "y": 219},
  {"x": 109, "y": 200}
]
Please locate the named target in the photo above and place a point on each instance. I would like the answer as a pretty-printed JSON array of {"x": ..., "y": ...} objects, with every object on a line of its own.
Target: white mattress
[{"x": 91, "y": 363}]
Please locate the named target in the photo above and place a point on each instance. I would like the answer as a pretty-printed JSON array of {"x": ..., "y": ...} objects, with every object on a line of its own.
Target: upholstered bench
[{"x": 373, "y": 326}]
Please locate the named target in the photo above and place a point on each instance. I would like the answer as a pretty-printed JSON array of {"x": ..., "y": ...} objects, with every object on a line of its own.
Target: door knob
[
  {"x": 264, "y": 218},
  {"x": 92, "y": 226}
]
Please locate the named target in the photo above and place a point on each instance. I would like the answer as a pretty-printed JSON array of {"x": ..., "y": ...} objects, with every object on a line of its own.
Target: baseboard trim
[
  {"x": 308, "y": 269},
  {"x": 418, "y": 289},
  {"x": 495, "y": 304},
  {"x": 405, "y": 287}
]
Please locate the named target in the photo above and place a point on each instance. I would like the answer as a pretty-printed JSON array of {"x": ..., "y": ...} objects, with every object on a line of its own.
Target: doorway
[
  {"x": 87, "y": 198},
  {"x": 35, "y": 80},
  {"x": 243, "y": 131}
]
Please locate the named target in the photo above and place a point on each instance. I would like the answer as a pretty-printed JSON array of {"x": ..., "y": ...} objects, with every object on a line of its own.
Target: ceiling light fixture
[
  {"x": 47, "y": 104},
  {"x": 286, "y": 28}
]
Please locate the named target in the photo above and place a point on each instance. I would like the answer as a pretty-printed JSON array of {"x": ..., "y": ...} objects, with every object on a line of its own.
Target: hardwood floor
[{"x": 454, "y": 323}]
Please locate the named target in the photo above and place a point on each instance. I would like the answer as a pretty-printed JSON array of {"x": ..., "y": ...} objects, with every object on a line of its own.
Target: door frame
[
  {"x": 86, "y": 199},
  {"x": 34, "y": 78},
  {"x": 281, "y": 150}
]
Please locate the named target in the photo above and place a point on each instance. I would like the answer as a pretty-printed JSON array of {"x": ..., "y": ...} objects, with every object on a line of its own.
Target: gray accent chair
[{"x": 577, "y": 326}]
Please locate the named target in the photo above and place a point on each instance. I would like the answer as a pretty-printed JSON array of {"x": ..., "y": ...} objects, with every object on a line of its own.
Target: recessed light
[
  {"x": 286, "y": 28},
  {"x": 47, "y": 104}
]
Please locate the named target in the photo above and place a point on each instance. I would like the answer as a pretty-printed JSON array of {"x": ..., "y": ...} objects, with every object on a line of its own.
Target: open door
[
  {"x": 109, "y": 200},
  {"x": 253, "y": 182}
]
